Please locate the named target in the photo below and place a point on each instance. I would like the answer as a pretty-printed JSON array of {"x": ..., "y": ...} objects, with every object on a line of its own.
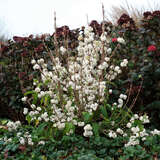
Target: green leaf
[
  {"x": 153, "y": 105},
  {"x": 2, "y": 63},
  {"x": 29, "y": 92},
  {"x": 68, "y": 127},
  {"x": 47, "y": 81},
  {"x": 35, "y": 98},
  {"x": 111, "y": 83},
  {"x": 131, "y": 65},
  {"x": 157, "y": 73},
  {"x": 95, "y": 127},
  {"x": 42, "y": 100},
  {"x": 87, "y": 117},
  {"x": 44, "y": 158},
  {"x": 46, "y": 100},
  {"x": 4, "y": 122},
  {"x": 28, "y": 118},
  {"x": 104, "y": 111},
  {"x": 41, "y": 127}
]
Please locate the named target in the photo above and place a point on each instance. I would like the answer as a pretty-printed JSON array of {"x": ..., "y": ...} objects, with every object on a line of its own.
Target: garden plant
[{"x": 78, "y": 92}]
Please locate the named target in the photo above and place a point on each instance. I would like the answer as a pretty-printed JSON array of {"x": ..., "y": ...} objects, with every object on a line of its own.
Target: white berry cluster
[
  {"x": 155, "y": 132},
  {"x": 6, "y": 140},
  {"x": 121, "y": 99},
  {"x": 63, "y": 50},
  {"x": 121, "y": 40},
  {"x": 120, "y": 131},
  {"x": 88, "y": 131},
  {"x": 41, "y": 143},
  {"x": 124, "y": 63},
  {"x": 144, "y": 119},
  {"x": 132, "y": 130},
  {"x": 24, "y": 99},
  {"x": 25, "y": 138},
  {"x": 13, "y": 125},
  {"x": 112, "y": 134},
  {"x": 78, "y": 86},
  {"x": 137, "y": 134}
]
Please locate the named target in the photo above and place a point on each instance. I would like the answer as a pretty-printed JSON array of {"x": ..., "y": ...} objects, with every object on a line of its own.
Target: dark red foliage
[
  {"x": 125, "y": 19},
  {"x": 6, "y": 154},
  {"x": 94, "y": 24},
  {"x": 22, "y": 148},
  {"x": 39, "y": 48},
  {"x": 25, "y": 43},
  {"x": 158, "y": 54},
  {"x": 24, "y": 53},
  {"x": 135, "y": 90},
  {"x": 20, "y": 39},
  {"x": 156, "y": 14},
  {"x": 31, "y": 36},
  {"x": 97, "y": 28},
  {"x": 22, "y": 75},
  {"x": 146, "y": 14},
  {"x": 43, "y": 36},
  {"x": 149, "y": 15},
  {"x": 3, "y": 48},
  {"x": 126, "y": 22},
  {"x": 62, "y": 31},
  {"x": 65, "y": 30}
]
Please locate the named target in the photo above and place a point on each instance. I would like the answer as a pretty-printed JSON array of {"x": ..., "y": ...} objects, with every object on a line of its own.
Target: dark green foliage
[
  {"x": 16, "y": 70},
  {"x": 78, "y": 148},
  {"x": 142, "y": 49}
]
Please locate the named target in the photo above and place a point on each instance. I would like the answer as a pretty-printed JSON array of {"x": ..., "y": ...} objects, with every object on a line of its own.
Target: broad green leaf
[
  {"x": 37, "y": 122},
  {"x": 28, "y": 118},
  {"x": 4, "y": 122},
  {"x": 87, "y": 117},
  {"x": 111, "y": 83},
  {"x": 29, "y": 92},
  {"x": 44, "y": 158},
  {"x": 46, "y": 100},
  {"x": 41, "y": 127},
  {"x": 68, "y": 127},
  {"x": 42, "y": 100},
  {"x": 104, "y": 111},
  {"x": 35, "y": 98},
  {"x": 95, "y": 127}
]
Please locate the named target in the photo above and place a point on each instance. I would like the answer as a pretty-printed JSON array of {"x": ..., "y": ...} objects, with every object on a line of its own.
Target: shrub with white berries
[
  {"x": 76, "y": 92},
  {"x": 77, "y": 87}
]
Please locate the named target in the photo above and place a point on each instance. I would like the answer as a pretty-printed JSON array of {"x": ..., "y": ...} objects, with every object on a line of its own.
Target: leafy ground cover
[{"x": 75, "y": 147}]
